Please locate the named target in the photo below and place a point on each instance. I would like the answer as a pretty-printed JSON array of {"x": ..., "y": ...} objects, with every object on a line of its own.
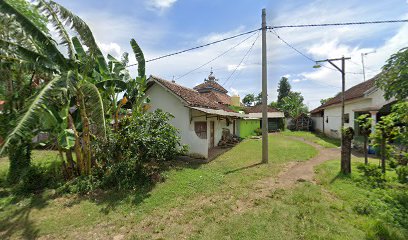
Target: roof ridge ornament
[{"x": 211, "y": 77}]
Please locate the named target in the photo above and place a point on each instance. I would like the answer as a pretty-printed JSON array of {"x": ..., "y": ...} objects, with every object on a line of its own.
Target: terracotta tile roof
[
  {"x": 208, "y": 85},
  {"x": 354, "y": 92},
  {"x": 258, "y": 109},
  {"x": 217, "y": 97},
  {"x": 190, "y": 96}
]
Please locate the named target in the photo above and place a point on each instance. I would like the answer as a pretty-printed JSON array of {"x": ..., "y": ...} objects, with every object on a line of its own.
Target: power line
[
  {"x": 246, "y": 54},
  {"x": 301, "y": 53},
  {"x": 273, "y": 27},
  {"x": 337, "y": 24},
  {"x": 222, "y": 54},
  {"x": 197, "y": 47}
]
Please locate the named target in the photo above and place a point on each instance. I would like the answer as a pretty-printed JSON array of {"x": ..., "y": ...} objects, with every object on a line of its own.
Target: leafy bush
[
  {"x": 38, "y": 177},
  {"x": 148, "y": 138},
  {"x": 382, "y": 230},
  {"x": 363, "y": 208},
  {"x": 373, "y": 175},
  {"x": 82, "y": 184},
  {"x": 258, "y": 131},
  {"x": 402, "y": 173},
  {"x": 135, "y": 153}
]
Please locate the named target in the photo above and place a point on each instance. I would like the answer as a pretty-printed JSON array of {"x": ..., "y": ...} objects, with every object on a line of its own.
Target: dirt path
[
  {"x": 291, "y": 174},
  {"x": 304, "y": 171}
]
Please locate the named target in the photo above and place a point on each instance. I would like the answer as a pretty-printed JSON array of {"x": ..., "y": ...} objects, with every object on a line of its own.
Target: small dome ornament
[{"x": 211, "y": 77}]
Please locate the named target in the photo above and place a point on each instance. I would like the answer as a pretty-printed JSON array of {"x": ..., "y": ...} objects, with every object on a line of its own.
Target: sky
[{"x": 165, "y": 26}]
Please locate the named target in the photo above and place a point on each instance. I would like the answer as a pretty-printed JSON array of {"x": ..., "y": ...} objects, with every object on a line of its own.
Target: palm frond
[
  {"x": 94, "y": 109},
  {"x": 84, "y": 33},
  {"x": 79, "y": 49},
  {"x": 139, "y": 58},
  {"x": 25, "y": 54},
  {"x": 46, "y": 42},
  {"x": 52, "y": 16},
  {"x": 30, "y": 113}
]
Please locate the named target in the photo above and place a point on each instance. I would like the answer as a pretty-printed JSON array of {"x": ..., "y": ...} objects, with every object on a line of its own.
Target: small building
[
  {"x": 203, "y": 114},
  {"x": 363, "y": 98},
  {"x": 199, "y": 114}
]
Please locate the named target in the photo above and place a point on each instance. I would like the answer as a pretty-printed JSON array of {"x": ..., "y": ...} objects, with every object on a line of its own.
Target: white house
[
  {"x": 363, "y": 98},
  {"x": 199, "y": 117}
]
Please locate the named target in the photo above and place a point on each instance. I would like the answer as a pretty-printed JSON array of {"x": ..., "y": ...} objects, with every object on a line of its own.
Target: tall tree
[
  {"x": 364, "y": 122},
  {"x": 394, "y": 76},
  {"x": 324, "y": 100},
  {"x": 283, "y": 89},
  {"x": 248, "y": 100},
  {"x": 293, "y": 105},
  {"x": 258, "y": 99}
]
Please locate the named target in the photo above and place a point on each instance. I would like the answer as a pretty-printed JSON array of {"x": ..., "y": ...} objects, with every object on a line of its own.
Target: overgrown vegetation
[{"x": 379, "y": 200}]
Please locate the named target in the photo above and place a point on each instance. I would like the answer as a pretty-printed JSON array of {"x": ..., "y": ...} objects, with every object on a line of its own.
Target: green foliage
[
  {"x": 20, "y": 157},
  {"x": 324, "y": 100},
  {"x": 148, "y": 138},
  {"x": 258, "y": 99},
  {"x": 293, "y": 105},
  {"x": 364, "y": 122},
  {"x": 384, "y": 231},
  {"x": 248, "y": 100},
  {"x": 394, "y": 76},
  {"x": 283, "y": 90},
  {"x": 402, "y": 172},
  {"x": 258, "y": 132},
  {"x": 372, "y": 175}
]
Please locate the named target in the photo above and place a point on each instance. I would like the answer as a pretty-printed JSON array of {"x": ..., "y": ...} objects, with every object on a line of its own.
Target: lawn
[
  {"x": 199, "y": 193},
  {"x": 314, "y": 137},
  {"x": 218, "y": 200}
]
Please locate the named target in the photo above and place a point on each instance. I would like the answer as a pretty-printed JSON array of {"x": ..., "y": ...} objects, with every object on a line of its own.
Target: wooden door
[{"x": 212, "y": 144}]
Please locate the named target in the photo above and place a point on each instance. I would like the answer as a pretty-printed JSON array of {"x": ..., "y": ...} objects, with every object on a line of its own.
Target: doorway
[{"x": 212, "y": 140}]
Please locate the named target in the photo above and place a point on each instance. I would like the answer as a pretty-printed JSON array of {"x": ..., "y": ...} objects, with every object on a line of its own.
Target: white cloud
[
  {"x": 160, "y": 4},
  {"x": 234, "y": 92},
  {"x": 111, "y": 48},
  {"x": 232, "y": 67}
]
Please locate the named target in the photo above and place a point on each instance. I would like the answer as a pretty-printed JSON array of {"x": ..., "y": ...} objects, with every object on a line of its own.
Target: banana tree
[{"x": 75, "y": 75}]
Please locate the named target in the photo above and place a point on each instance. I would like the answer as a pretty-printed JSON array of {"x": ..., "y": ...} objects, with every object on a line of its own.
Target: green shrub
[
  {"x": 38, "y": 177},
  {"x": 363, "y": 208},
  {"x": 402, "y": 172},
  {"x": 372, "y": 175},
  {"x": 383, "y": 231},
  {"x": 81, "y": 184},
  {"x": 258, "y": 132},
  {"x": 135, "y": 153}
]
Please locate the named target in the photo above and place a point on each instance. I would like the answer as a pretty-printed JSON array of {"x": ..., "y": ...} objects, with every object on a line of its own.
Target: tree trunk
[
  {"x": 86, "y": 144},
  {"x": 77, "y": 147},
  {"x": 365, "y": 150},
  {"x": 348, "y": 134}
]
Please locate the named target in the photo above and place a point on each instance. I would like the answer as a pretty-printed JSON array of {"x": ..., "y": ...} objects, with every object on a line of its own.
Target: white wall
[
  {"x": 317, "y": 123},
  {"x": 332, "y": 114},
  {"x": 160, "y": 98}
]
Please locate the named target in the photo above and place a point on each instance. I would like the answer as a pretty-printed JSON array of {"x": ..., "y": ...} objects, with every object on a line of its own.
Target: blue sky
[{"x": 165, "y": 26}]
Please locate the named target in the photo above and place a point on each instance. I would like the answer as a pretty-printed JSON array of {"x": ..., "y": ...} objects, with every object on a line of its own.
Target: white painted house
[
  {"x": 199, "y": 114},
  {"x": 363, "y": 98}
]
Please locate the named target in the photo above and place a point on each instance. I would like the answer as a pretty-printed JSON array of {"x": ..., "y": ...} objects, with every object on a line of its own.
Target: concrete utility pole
[
  {"x": 345, "y": 167},
  {"x": 264, "y": 93}
]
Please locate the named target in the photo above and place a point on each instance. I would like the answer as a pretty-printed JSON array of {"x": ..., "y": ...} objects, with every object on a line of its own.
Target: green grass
[
  {"x": 375, "y": 210},
  {"x": 315, "y": 137},
  {"x": 218, "y": 200},
  {"x": 186, "y": 189}
]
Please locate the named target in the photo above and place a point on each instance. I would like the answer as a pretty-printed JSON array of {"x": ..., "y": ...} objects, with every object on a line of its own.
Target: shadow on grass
[
  {"x": 19, "y": 220},
  {"x": 243, "y": 168},
  {"x": 340, "y": 176},
  {"x": 110, "y": 200}
]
